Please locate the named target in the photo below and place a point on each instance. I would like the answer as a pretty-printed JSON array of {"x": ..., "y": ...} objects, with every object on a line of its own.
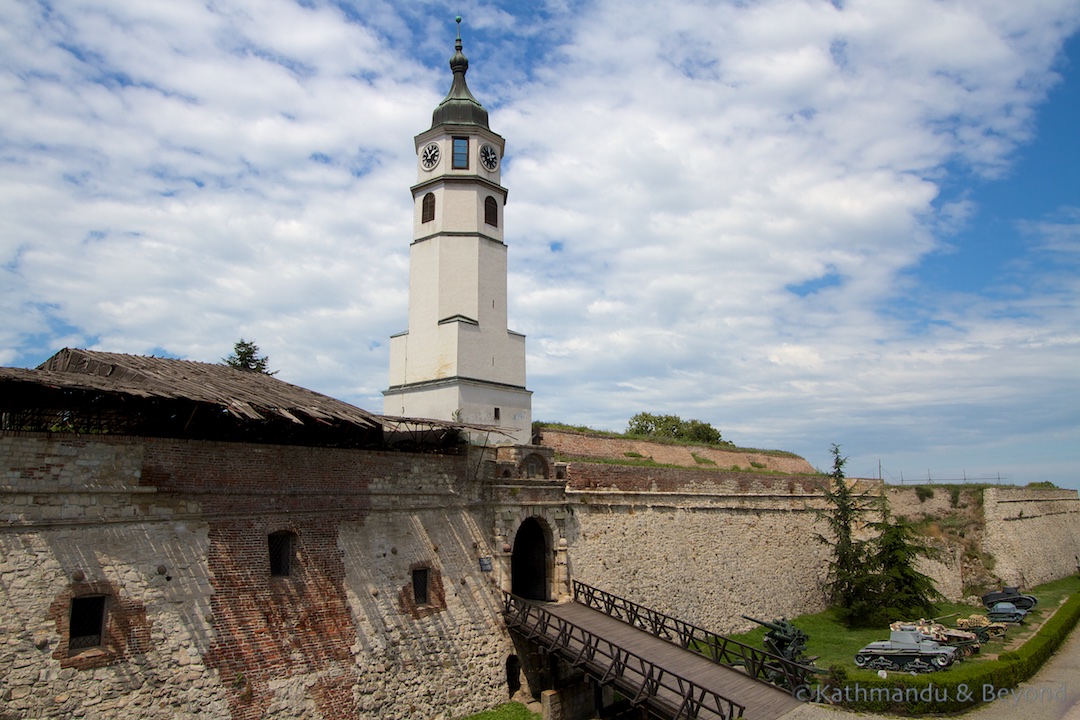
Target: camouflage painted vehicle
[
  {"x": 982, "y": 626},
  {"x": 966, "y": 642},
  {"x": 1007, "y": 612},
  {"x": 1012, "y": 595},
  {"x": 906, "y": 650}
]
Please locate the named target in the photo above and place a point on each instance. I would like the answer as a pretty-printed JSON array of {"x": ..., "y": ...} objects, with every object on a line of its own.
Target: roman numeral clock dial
[
  {"x": 429, "y": 156},
  {"x": 489, "y": 157}
]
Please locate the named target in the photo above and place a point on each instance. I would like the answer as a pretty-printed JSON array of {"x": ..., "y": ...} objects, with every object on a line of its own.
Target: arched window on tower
[
  {"x": 427, "y": 208},
  {"x": 491, "y": 212}
]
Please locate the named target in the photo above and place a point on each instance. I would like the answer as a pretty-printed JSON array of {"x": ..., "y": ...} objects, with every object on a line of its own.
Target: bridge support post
[
  {"x": 561, "y": 581},
  {"x": 574, "y": 702}
]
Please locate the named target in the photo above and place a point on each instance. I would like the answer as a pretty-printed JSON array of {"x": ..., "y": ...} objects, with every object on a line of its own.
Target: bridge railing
[
  {"x": 642, "y": 681},
  {"x": 756, "y": 662}
]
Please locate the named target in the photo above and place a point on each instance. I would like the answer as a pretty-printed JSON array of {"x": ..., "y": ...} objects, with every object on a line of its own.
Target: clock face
[
  {"x": 489, "y": 157},
  {"x": 429, "y": 156}
]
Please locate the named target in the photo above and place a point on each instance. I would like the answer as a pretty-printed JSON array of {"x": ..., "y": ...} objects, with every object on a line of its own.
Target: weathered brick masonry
[{"x": 175, "y": 535}]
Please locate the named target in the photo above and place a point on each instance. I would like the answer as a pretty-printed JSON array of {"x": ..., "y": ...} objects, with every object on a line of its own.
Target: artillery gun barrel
[
  {"x": 943, "y": 617},
  {"x": 771, "y": 626}
]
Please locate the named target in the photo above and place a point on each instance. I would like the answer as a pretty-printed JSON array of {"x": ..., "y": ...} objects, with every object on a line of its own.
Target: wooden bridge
[{"x": 671, "y": 668}]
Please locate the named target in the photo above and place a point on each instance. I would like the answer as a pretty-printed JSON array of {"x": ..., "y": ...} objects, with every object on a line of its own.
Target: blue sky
[{"x": 803, "y": 222}]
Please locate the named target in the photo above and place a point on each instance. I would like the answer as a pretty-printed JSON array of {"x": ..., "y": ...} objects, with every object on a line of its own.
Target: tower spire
[{"x": 459, "y": 107}]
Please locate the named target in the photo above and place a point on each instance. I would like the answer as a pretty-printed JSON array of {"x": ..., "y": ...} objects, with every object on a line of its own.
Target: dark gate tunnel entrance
[{"x": 529, "y": 562}]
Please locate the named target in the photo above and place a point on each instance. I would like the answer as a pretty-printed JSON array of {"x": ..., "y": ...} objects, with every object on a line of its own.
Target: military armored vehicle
[
  {"x": 1012, "y": 595},
  {"x": 966, "y": 642},
  {"x": 1007, "y": 612},
  {"x": 906, "y": 650},
  {"x": 983, "y": 627}
]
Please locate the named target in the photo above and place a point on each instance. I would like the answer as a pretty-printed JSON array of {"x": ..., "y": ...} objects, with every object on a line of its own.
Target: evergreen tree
[
  {"x": 899, "y": 590},
  {"x": 873, "y": 581},
  {"x": 245, "y": 356},
  {"x": 847, "y": 579}
]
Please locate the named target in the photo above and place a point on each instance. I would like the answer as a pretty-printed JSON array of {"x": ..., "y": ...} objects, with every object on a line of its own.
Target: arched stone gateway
[{"x": 530, "y": 563}]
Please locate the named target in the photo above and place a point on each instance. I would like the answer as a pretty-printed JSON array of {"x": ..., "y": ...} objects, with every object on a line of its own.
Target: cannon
[{"x": 785, "y": 640}]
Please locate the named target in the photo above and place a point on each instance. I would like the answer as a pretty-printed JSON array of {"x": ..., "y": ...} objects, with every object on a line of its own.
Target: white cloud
[{"x": 716, "y": 209}]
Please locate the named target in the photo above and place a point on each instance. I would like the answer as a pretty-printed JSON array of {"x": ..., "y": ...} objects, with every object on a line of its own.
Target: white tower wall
[{"x": 458, "y": 360}]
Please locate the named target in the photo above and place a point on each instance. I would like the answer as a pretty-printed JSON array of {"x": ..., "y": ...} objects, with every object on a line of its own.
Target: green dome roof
[{"x": 459, "y": 107}]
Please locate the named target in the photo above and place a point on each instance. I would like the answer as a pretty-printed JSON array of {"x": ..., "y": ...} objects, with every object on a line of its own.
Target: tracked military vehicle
[
  {"x": 967, "y": 643},
  {"x": 1007, "y": 612},
  {"x": 906, "y": 650},
  {"x": 983, "y": 627},
  {"x": 1012, "y": 595}
]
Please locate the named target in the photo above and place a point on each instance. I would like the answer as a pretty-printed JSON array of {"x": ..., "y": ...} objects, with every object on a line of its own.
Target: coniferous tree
[
  {"x": 847, "y": 578},
  {"x": 873, "y": 581},
  {"x": 900, "y": 591},
  {"x": 245, "y": 356}
]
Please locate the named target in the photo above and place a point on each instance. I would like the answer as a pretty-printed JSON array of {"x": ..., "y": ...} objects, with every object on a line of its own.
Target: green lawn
[
  {"x": 835, "y": 644},
  {"x": 509, "y": 711}
]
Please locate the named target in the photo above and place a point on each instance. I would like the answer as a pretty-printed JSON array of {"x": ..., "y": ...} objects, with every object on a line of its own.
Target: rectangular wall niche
[
  {"x": 86, "y": 622},
  {"x": 280, "y": 545},
  {"x": 420, "y": 577}
]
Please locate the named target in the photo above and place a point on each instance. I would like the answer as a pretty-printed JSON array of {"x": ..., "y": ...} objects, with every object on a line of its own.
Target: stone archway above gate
[{"x": 528, "y": 462}]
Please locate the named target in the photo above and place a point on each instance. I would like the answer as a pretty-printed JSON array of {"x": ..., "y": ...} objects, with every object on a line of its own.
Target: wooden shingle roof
[
  {"x": 244, "y": 394},
  {"x": 250, "y": 397}
]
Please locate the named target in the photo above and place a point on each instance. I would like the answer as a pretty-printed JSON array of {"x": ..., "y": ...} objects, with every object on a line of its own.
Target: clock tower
[{"x": 458, "y": 361}]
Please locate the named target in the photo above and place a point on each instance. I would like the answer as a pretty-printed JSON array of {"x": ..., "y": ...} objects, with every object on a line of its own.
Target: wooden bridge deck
[{"x": 762, "y": 701}]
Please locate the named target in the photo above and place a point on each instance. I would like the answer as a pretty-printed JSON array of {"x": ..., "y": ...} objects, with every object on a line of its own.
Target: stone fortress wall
[
  {"x": 709, "y": 546},
  {"x": 175, "y": 534},
  {"x": 1033, "y": 534}
]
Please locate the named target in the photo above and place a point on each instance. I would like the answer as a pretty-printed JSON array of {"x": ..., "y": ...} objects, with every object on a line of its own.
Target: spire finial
[{"x": 459, "y": 106}]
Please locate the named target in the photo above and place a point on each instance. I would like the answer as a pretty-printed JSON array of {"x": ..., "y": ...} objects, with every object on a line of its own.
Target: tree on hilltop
[{"x": 673, "y": 426}]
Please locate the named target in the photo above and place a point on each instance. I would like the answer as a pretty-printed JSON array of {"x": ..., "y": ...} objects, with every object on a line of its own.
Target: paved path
[{"x": 1052, "y": 694}]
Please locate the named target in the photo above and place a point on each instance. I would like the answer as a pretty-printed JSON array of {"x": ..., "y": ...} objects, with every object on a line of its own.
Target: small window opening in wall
[
  {"x": 420, "y": 577},
  {"x": 86, "y": 622},
  {"x": 281, "y": 547},
  {"x": 491, "y": 212},
  {"x": 461, "y": 153},
  {"x": 427, "y": 208},
  {"x": 497, "y": 413}
]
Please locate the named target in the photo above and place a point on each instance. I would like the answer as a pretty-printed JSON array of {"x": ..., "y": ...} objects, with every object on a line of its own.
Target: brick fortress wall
[{"x": 174, "y": 535}]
